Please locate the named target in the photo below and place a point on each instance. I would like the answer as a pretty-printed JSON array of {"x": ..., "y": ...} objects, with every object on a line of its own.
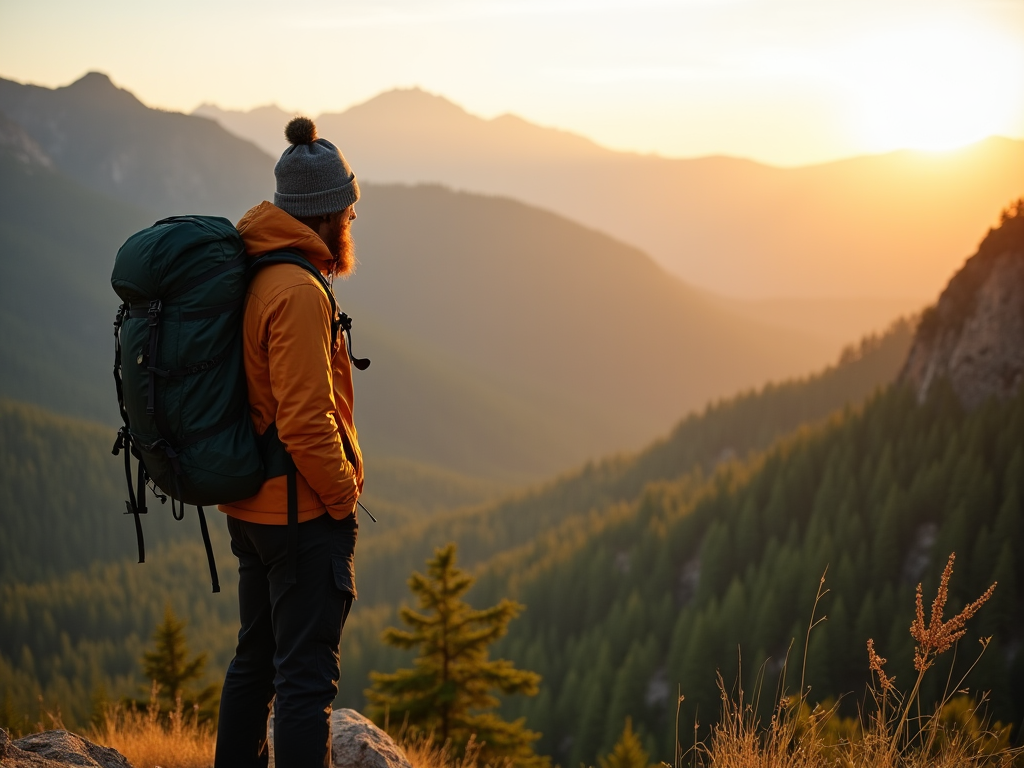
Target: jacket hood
[{"x": 267, "y": 228}]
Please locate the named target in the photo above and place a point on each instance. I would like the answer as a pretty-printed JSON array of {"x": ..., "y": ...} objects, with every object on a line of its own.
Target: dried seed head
[{"x": 938, "y": 636}]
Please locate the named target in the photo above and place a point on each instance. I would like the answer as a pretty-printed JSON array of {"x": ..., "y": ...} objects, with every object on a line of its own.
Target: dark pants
[{"x": 289, "y": 642}]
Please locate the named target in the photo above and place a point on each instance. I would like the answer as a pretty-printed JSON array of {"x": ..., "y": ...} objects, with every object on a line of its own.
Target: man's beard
[{"x": 344, "y": 251}]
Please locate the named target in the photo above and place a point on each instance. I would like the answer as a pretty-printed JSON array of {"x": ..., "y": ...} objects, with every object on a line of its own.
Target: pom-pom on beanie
[{"x": 313, "y": 178}]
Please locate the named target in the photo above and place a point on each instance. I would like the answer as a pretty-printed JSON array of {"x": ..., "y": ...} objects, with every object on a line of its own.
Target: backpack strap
[
  {"x": 209, "y": 549},
  {"x": 339, "y": 320},
  {"x": 136, "y": 503}
]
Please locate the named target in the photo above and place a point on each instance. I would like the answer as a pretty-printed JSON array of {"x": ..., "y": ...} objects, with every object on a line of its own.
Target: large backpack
[{"x": 179, "y": 373}]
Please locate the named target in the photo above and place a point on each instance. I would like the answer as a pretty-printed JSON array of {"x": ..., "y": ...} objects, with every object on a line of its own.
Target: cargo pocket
[
  {"x": 335, "y": 614},
  {"x": 345, "y": 574}
]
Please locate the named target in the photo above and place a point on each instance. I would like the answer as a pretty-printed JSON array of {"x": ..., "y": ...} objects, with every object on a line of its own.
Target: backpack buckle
[{"x": 154, "y": 311}]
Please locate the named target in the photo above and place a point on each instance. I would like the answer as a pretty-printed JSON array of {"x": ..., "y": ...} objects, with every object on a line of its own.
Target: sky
[{"x": 787, "y": 82}]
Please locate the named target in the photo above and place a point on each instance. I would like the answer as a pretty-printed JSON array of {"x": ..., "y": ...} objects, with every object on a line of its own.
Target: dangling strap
[
  {"x": 133, "y": 505},
  {"x": 209, "y": 550},
  {"x": 293, "y": 524},
  {"x": 362, "y": 363},
  {"x": 136, "y": 503},
  {"x": 118, "y": 384}
]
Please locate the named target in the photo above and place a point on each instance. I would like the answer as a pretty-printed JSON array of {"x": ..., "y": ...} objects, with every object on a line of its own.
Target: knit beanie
[{"x": 313, "y": 178}]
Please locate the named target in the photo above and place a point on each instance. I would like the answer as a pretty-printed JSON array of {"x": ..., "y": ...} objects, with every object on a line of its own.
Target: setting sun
[{"x": 933, "y": 88}]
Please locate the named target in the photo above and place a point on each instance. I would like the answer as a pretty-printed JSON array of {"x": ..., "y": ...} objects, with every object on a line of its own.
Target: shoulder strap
[
  {"x": 339, "y": 321},
  {"x": 291, "y": 257}
]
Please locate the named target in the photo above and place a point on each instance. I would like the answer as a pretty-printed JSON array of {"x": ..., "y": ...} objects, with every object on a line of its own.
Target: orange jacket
[{"x": 296, "y": 377}]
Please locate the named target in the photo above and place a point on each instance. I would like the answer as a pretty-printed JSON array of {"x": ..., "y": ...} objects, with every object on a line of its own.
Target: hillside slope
[
  {"x": 525, "y": 526},
  {"x": 588, "y": 330},
  {"x": 57, "y": 241},
  {"x": 893, "y": 226},
  {"x": 671, "y": 588}
]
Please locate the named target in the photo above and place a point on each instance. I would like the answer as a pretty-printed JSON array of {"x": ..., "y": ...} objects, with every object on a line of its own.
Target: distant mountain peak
[
  {"x": 94, "y": 80},
  {"x": 97, "y": 87},
  {"x": 974, "y": 334},
  {"x": 412, "y": 100},
  {"x": 211, "y": 110}
]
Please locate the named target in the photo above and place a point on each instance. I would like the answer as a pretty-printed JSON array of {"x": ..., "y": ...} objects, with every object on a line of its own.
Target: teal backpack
[{"x": 179, "y": 372}]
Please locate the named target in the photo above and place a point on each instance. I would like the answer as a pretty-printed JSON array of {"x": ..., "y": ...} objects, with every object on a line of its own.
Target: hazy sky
[{"x": 783, "y": 81}]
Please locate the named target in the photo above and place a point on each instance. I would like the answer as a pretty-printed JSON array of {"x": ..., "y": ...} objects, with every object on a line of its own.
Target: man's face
[{"x": 336, "y": 232}]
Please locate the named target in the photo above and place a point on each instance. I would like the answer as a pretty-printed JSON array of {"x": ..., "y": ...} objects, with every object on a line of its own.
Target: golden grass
[
  {"x": 149, "y": 740},
  {"x": 423, "y": 752}
]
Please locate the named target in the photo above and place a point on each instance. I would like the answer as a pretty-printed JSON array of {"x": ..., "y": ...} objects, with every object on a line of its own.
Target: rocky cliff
[{"x": 974, "y": 334}]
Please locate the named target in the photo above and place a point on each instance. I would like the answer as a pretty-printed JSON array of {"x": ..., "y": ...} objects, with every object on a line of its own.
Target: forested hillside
[
  {"x": 673, "y": 587},
  {"x": 62, "y": 497},
  {"x": 75, "y": 632},
  {"x": 75, "y": 607}
]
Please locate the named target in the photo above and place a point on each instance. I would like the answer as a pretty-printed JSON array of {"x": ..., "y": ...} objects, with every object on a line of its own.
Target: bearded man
[{"x": 294, "y": 597}]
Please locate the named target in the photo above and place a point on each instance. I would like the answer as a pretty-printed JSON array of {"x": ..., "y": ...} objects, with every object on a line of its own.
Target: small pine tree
[
  {"x": 628, "y": 752},
  {"x": 168, "y": 666},
  {"x": 446, "y": 696}
]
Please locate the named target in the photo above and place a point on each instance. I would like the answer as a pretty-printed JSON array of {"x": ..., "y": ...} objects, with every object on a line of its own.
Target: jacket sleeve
[{"x": 301, "y": 379}]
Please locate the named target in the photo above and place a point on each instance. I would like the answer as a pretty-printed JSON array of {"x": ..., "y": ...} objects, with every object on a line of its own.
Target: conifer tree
[
  {"x": 628, "y": 752},
  {"x": 169, "y": 667},
  {"x": 447, "y": 695}
]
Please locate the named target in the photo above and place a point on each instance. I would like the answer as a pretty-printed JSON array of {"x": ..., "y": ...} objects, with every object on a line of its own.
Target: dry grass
[
  {"x": 149, "y": 740},
  {"x": 896, "y": 733},
  {"x": 424, "y": 752}
]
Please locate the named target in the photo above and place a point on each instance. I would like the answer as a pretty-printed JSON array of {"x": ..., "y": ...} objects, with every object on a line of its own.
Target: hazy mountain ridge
[
  {"x": 889, "y": 226},
  {"x": 585, "y": 328},
  {"x": 477, "y": 300},
  {"x": 437, "y": 118}
]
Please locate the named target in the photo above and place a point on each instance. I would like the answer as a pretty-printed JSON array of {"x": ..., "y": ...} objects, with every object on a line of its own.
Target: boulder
[
  {"x": 57, "y": 749},
  {"x": 357, "y": 743}
]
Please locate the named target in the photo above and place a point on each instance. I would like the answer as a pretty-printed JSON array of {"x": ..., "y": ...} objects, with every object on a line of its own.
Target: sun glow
[{"x": 937, "y": 88}]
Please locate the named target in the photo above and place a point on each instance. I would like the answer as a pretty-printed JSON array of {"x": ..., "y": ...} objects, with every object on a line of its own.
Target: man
[{"x": 300, "y": 384}]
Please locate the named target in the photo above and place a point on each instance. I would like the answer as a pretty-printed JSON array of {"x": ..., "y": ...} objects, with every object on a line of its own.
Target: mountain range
[
  {"x": 889, "y": 227},
  {"x": 509, "y": 342}
]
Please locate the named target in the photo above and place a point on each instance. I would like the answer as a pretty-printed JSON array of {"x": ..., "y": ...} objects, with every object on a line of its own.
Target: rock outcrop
[
  {"x": 56, "y": 749},
  {"x": 974, "y": 335},
  {"x": 357, "y": 743}
]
